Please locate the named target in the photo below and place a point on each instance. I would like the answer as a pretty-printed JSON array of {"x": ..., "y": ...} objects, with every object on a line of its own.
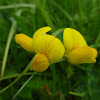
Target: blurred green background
[{"x": 27, "y": 16}]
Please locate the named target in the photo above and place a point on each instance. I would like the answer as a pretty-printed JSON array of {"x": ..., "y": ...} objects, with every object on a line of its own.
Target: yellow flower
[
  {"x": 76, "y": 49},
  {"x": 47, "y": 47}
]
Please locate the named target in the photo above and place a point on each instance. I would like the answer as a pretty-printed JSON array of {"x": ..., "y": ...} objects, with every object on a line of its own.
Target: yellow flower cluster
[
  {"x": 77, "y": 50},
  {"x": 50, "y": 49}
]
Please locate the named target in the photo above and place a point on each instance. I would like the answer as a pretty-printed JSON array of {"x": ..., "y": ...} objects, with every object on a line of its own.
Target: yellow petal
[
  {"x": 92, "y": 60},
  {"x": 25, "y": 41},
  {"x": 40, "y": 63},
  {"x": 73, "y": 39},
  {"x": 95, "y": 53},
  {"x": 56, "y": 51},
  {"x": 41, "y": 31},
  {"x": 81, "y": 55},
  {"x": 42, "y": 43},
  {"x": 50, "y": 46}
]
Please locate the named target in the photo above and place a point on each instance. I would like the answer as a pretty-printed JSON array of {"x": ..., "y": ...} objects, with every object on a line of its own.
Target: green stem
[
  {"x": 81, "y": 67},
  {"x": 67, "y": 15},
  {"x": 45, "y": 15},
  {"x": 97, "y": 41},
  {"x": 76, "y": 94},
  {"x": 24, "y": 85},
  {"x": 15, "y": 75},
  {"x": 10, "y": 36},
  {"x": 44, "y": 4},
  {"x": 55, "y": 34},
  {"x": 18, "y": 6},
  {"x": 29, "y": 73},
  {"x": 25, "y": 70},
  {"x": 80, "y": 16}
]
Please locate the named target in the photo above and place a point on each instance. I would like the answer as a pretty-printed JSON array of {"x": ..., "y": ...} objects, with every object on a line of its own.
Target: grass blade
[
  {"x": 45, "y": 15},
  {"x": 58, "y": 32},
  {"x": 15, "y": 75},
  {"x": 25, "y": 70},
  {"x": 17, "y": 6},
  {"x": 10, "y": 36},
  {"x": 63, "y": 11},
  {"x": 76, "y": 94},
  {"x": 97, "y": 42},
  {"x": 23, "y": 85}
]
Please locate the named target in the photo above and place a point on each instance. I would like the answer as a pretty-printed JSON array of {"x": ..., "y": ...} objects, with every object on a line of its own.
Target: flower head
[
  {"x": 76, "y": 49},
  {"x": 47, "y": 47}
]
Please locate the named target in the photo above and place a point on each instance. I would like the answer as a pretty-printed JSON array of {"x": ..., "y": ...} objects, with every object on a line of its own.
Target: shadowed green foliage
[{"x": 79, "y": 82}]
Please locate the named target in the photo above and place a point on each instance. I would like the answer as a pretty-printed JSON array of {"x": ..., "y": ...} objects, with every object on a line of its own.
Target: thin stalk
[
  {"x": 76, "y": 94},
  {"x": 97, "y": 41},
  {"x": 26, "y": 74},
  {"x": 58, "y": 32},
  {"x": 44, "y": 4},
  {"x": 17, "y": 6},
  {"x": 45, "y": 15},
  {"x": 25, "y": 70},
  {"x": 15, "y": 75},
  {"x": 24, "y": 85},
  {"x": 80, "y": 16},
  {"x": 81, "y": 67},
  {"x": 10, "y": 36},
  {"x": 67, "y": 15},
  {"x": 29, "y": 73},
  {"x": 94, "y": 4}
]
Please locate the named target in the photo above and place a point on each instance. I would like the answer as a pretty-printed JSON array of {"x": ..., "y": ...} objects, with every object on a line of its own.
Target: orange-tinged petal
[
  {"x": 25, "y": 41},
  {"x": 41, "y": 31},
  {"x": 40, "y": 63},
  {"x": 73, "y": 39},
  {"x": 81, "y": 55},
  {"x": 50, "y": 46}
]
